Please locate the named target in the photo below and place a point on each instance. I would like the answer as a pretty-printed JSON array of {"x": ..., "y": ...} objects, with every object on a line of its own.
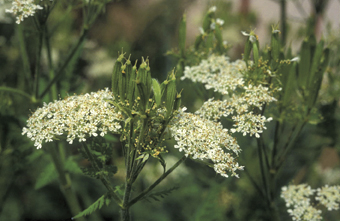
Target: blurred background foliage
[{"x": 28, "y": 189}]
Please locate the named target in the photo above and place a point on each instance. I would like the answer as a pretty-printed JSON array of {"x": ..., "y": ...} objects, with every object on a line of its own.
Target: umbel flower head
[
  {"x": 298, "y": 200},
  {"x": 241, "y": 97},
  {"x": 202, "y": 139},
  {"x": 76, "y": 117}
]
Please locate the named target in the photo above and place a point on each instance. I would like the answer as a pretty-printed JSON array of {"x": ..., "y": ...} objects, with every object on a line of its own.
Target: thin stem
[
  {"x": 16, "y": 91},
  {"x": 37, "y": 66},
  {"x": 54, "y": 93},
  {"x": 67, "y": 61},
  {"x": 289, "y": 145},
  {"x": 146, "y": 191},
  {"x": 257, "y": 187},
  {"x": 283, "y": 21},
  {"x": 263, "y": 175},
  {"x": 65, "y": 182},
  {"x": 24, "y": 56},
  {"x": 276, "y": 139}
]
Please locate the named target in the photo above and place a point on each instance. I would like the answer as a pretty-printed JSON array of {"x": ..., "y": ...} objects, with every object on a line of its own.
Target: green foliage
[
  {"x": 99, "y": 154},
  {"x": 105, "y": 199},
  {"x": 159, "y": 194},
  {"x": 48, "y": 175}
]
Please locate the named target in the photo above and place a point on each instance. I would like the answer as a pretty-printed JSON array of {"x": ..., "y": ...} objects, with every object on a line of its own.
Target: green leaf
[
  {"x": 105, "y": 199},
  {"x": 47, "y": 176},
  {"x": 71, "y": 166}
]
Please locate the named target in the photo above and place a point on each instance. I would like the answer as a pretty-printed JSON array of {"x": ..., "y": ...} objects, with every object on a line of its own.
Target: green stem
[
  {"x": 16, "y": 91},
  {"x": 37, "y": 65},
  {"x": 54, "y": 92},
  {"x": 65, "y": 183},
  {"x": 283, "y": 22},
  {"x": 257, "y": 187},
  {"x": 263, "y": 175},
  {"x": 146, "y": 191},
  {"x": 289, "y": 144},
  {"x": 24, "y": 56},
  {"x": 61, "y": 71}
]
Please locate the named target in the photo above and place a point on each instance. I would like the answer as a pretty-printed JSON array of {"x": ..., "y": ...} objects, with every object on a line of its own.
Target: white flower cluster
[
  {"x": 76, "y": 117},
  {"x": 224, "y": 77},
  {"x": 23, "y": 8},
  {"x": 202, "y": 139},
  {"x": 298, "y": 197},
  {"x": 218, "y": 73},
  {"x": 329, "y": 196}
]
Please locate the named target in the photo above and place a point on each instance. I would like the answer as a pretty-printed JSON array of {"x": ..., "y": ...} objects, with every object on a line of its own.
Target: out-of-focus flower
[
  {"x": 212, "y": 9},
  {"x": 23, "y": 9},
  {"x": 251, "y": 35},
  {"x": 219, "y": 21},
  {"x": 298, "y": 197},
  {"x": 329, "y": 196},
  {"x": 76, "y": 117}
]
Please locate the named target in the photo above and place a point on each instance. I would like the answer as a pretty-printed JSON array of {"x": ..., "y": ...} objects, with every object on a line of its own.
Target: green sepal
[
  {"x": 157, "y": 91},
  {"x": 209, "y": 42},
  {"x": 182, "y": 35},
  {"x": 198, "y": 41},
  {"x": 130, "y": 81},
  {"x": 275, "y": 49},
  {"x": 289, "y": 85},
  {"x": 116, "y": 74},
  {"x": 144, "y": 81},
  {"x": 256, "y": 54},
  {"x": 218, "y": 36},
  {"x": 122, "y": 83},
  {"x": 317, "y": 80},
  {"x": 207, "y": 21},
  {"x": 247, "y": 50},
  {"x": 170, "y": 94},
  {"x": 141, "y": 96},
  {"x": 315, "y": 62}
]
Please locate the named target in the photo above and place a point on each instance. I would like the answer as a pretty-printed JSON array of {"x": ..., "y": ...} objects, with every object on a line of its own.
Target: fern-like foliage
[
  {"x": 105, "y": 199},
  {"x": 101, "y": 153},
  {"x": 160, "y": 194}
]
